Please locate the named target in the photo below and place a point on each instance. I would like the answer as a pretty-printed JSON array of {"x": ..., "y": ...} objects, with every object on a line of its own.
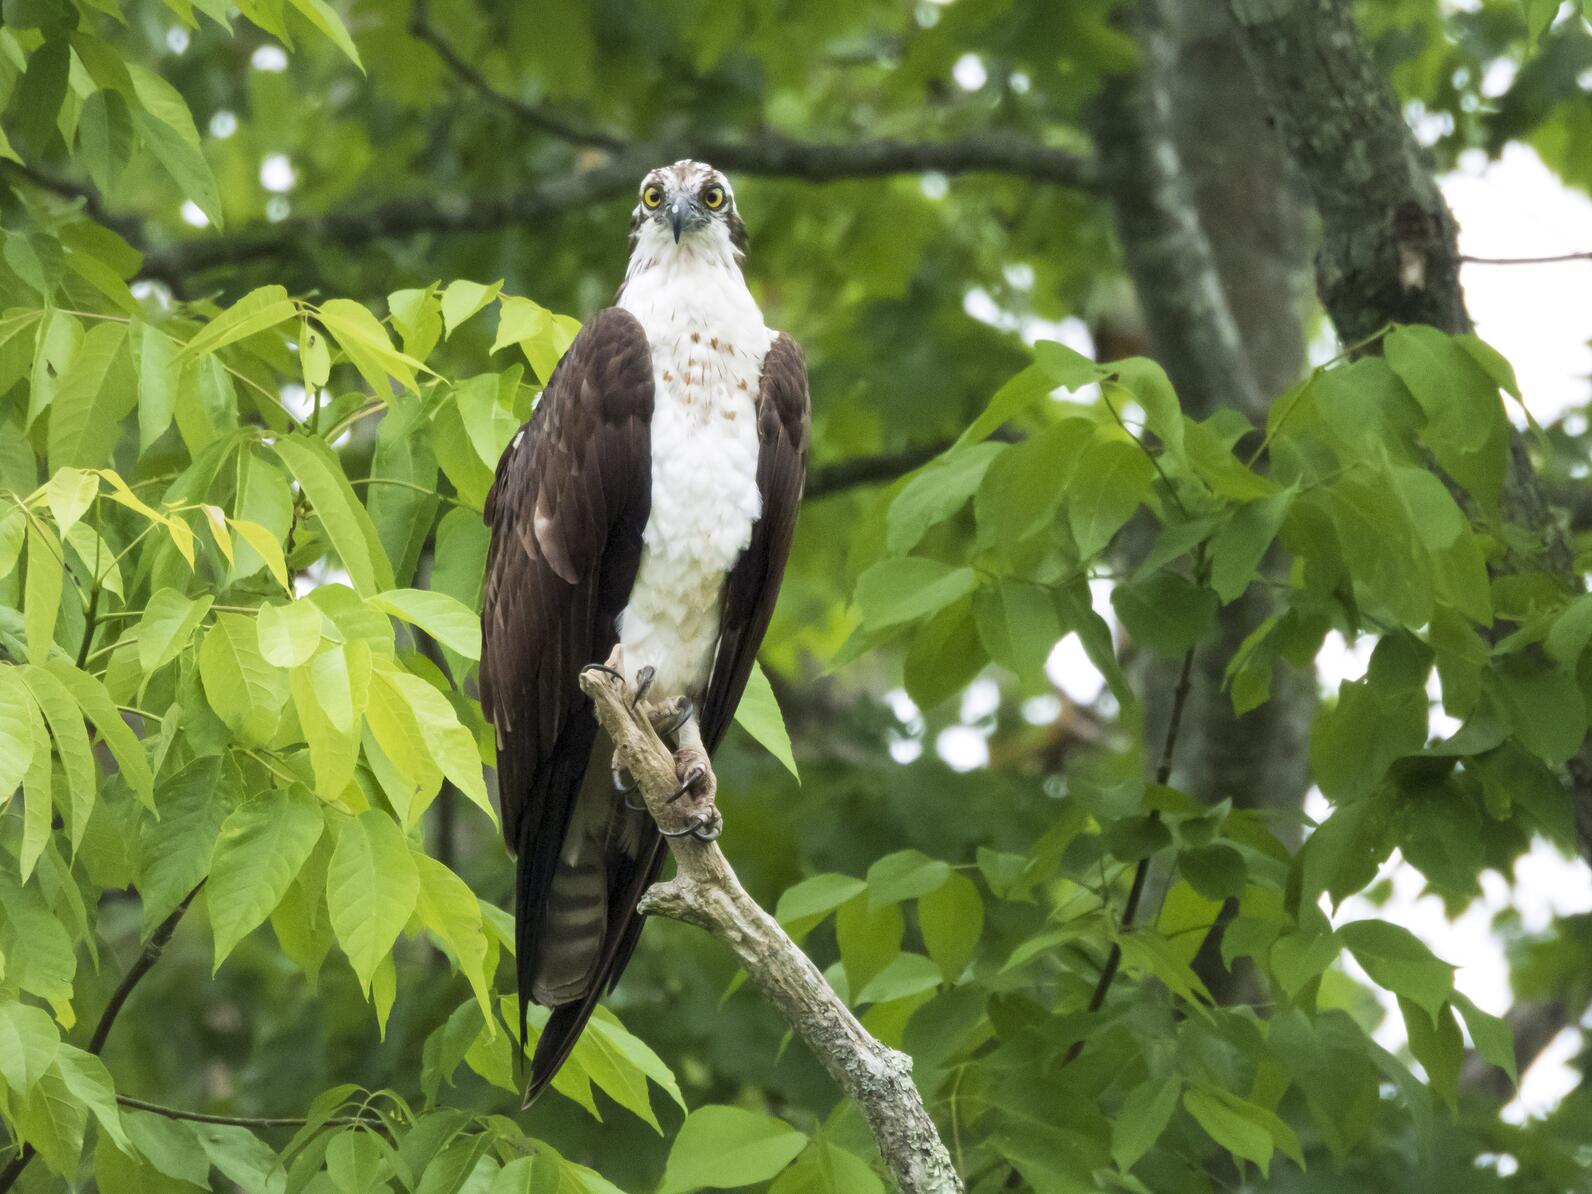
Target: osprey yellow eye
[
  {"x": 714, "y": 198},
  {"x": 651, "y": 197}
]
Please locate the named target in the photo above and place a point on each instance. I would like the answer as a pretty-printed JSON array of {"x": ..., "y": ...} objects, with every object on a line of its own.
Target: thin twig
[
  {"x": 1551, "y": 259},
  {"x": 1141, "y": 873},
  {"x": 238, "y": 1121},
  {"x": 532, "y": 114}
]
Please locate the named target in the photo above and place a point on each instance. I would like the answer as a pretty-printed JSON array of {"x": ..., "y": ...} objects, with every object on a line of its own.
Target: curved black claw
[
  {"x": 709, "y": 835},
  {"x": 684, "y": 711},
  {"x": 624, "y": 785},
  {"x": 644, "y": 680},
  {"x": 603, "y": 667},
  {"x": 692, "y": 828},
  {"x": 687, "y": 783}
]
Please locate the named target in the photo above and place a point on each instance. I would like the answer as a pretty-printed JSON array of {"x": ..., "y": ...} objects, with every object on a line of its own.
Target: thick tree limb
[{"x": 706, "y": 893}]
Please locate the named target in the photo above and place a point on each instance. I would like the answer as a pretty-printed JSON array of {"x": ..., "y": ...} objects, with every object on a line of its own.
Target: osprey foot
[
  {"x": 644, "y": 679},
  {"x": 695, "y": 775},
  {"x": 674, "y": 717},
  {"x": 604, "y": 668}
]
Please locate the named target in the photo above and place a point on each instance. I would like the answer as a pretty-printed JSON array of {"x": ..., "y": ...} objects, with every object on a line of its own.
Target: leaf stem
[
  {"x": 1141, "y": 872},
  {"x": 237, "y": 1121}
]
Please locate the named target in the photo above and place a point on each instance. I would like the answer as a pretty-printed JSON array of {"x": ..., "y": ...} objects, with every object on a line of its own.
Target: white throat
[{"x": 708, "y": 341}]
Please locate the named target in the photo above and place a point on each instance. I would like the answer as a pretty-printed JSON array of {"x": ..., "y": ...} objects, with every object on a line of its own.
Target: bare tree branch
[
  {"x": 532, "y": 114},
  {"x": 706, "y": 893},
  {"x": 769, "y": 155}
]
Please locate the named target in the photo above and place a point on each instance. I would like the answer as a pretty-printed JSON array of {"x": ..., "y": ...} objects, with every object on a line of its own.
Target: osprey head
[{"x": 688, "y": 200}]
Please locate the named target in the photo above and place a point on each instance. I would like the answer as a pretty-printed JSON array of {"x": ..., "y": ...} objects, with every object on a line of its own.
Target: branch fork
[{"x": 705, "y": 892}]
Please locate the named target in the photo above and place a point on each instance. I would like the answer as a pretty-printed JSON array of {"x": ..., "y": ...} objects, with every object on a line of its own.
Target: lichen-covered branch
[{"x": 705, "y": 892}]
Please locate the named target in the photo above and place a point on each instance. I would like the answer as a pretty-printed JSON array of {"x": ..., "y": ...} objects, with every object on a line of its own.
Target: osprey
[{"x": 648, "y": 504}]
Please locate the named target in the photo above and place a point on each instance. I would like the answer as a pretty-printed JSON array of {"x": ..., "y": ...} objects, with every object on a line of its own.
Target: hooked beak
[{"x": 678, "y": 211}]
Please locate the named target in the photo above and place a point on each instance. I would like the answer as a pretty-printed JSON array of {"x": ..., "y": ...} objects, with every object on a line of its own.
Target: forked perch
[{"x": 706, "y": 893}]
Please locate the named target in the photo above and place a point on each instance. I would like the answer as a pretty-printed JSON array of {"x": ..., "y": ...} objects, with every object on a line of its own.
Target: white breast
[{"x": 708, "y": 343}]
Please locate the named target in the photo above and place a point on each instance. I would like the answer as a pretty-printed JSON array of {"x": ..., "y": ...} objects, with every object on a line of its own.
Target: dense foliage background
[{"x": 280, "y": 278}]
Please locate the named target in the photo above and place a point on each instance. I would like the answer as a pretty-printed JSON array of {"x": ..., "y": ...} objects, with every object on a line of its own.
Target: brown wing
[
  {"x": 567, "y": 509},
  {"x": 784, "y": 421}
]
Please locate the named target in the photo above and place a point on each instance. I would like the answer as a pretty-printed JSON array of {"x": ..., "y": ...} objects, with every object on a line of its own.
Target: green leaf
[
  {"x": 449, "y": 745},
  {"x": 951, "y": 919},
  {"x": 257, "y": 311},
  {"x": 724, "y": 1147},
  {"x": 1460, "y": 401},
  {"x": 1400, "y": 961},
  {"x": 41, "y": 958},
  {"x": 168, "y": 622},
  {"x": 330, "y": 693},
  {"x": 441, "y": 616},
  {"x": 1544, "y": 708},
  {"x": 404, "y": 511},
  {"x": 1539, "y": 16},
  {"x": 1025, "y": 485},
  {"x": 37, "y": 795},
  {"x": 462, "y": 299},
  {"x": 259, "y": 851},
  {"x": 1238, "y": 1134},
  {"x": 90, "y": 400},
  {"x": 53, "y": 1119},
  {"x": 805, "y": 904},
  {"x": 65, "y": 720},
  {"x": 242, "y": 1157},
  {"x": 907, "y": 974},
  {"x": 1112, "y": 477},
  {"x": 16, "y": 731},
  {"x": 1013, "y": 398},
  {"x": 1491, "y": 1035},
  {"x": 1018, "y": 624},
  {"x": 935, "y": 492},
  {"x": 904, "y": 875},
  {"x": 904, "y": 590},
  {"x": 368, "y": 346},
  {"x": 1165, "y": 613},
  {"x": 347, "y": 524},
  {"x": 69, "y": 494},
  {"x": 28, "y": 1044},
  {"x": 1237, "y": 549},
  {"x": 1150, "y": 387},
  {"x": 1354, "y": 742},
  {"x": 449, "y": 908},
  {"x": 758, "y": 714},
  {"x": 86, "y": 1077},
  {"x": 324, "y": 17},
  {"x": 178, "y": 847},
  {"x": 1141, "y": 1119},
  {"x": 167, "y": 129},
  {"x": 41, "y": 593},
  {"x": 372, "y": 886},
  {"x": 289, "y": 634},
  {"x": 245, "y": 691},
  {"x": 1435, "y": 1042},
  {"x": 869, "y": 938}
]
